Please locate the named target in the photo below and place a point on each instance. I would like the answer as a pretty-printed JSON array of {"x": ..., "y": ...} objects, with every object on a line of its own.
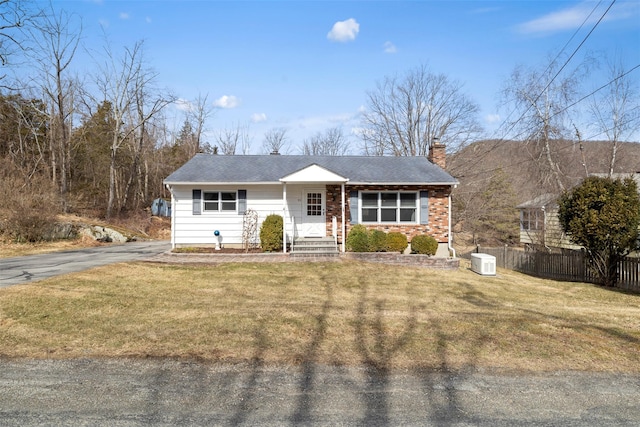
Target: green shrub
[
  {"x": 424, "y": 244},
  {"x": 358, "y": 239},
  {"x": 396, "y": 242},
  {"x": 377, "y": 241},
  {"x": 271, "y": 233}
]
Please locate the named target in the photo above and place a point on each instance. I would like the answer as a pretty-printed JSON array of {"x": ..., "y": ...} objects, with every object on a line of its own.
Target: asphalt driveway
[{"x": 31, "y": 268}]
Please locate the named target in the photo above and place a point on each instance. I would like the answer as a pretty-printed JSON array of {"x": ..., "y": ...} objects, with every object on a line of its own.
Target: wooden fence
[{"x": 570, "y": 266}]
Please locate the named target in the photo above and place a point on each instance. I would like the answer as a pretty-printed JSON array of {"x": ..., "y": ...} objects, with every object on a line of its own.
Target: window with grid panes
[
  {"x": 219, "y": 201},
  {"x": 314, "y": 204},
  {"x": 389, "y": 207}
]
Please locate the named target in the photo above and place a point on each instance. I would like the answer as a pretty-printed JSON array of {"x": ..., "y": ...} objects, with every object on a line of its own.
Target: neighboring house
[
  {"x": 539, "y": 223},
  {"x": 540, "y": 226},
  {"x": 318, "y": 196}
]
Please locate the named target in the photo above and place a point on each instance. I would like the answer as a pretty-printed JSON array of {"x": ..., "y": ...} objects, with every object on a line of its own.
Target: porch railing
[{"x": 334, "y": 229}]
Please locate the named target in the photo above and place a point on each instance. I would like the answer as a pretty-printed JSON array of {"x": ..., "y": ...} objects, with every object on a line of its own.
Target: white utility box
[{"x": 483, "y": 264}]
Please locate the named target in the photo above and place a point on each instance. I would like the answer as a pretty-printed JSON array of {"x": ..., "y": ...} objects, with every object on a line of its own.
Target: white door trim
[{"x": 314, "y": 215}]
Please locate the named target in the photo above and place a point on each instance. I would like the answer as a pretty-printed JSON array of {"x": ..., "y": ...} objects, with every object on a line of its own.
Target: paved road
[
  {"x": 31, "y": 268},
  {"x": 126, "y": 392}
]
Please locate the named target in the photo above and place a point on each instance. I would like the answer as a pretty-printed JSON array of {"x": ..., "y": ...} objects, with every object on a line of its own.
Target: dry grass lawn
[{"x": 345, "y": 313}]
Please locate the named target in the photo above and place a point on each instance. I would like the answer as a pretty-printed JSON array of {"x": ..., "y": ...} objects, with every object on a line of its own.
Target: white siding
[{"x": 196, "y": 230}]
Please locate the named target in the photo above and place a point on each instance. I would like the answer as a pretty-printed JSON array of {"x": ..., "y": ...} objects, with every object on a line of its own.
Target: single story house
[{"x": 317, "y": 196}]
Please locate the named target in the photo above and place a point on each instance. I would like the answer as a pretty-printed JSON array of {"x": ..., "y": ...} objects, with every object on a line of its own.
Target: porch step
[{"x": 315, "y": 247}]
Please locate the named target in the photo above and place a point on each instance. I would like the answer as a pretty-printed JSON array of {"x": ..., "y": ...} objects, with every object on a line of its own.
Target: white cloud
[
  {"x": 124, "y": 15},
  {"x": 561, "y": 20},
  {"x": 492, "y": 118},
  {"x": 258, "y": 117},
  {"x": 483, "y": 10},
  {"x": 148, "y": 20},
  {"x": 227, "y": 101},
  {"x": 389, "y": 47},
  {"x": 183, "y": 105},
  {"x": 344, "y": 31}
]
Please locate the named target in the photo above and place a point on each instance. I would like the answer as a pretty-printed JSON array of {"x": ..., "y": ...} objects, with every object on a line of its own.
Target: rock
[{"x": 103, "y": 234}]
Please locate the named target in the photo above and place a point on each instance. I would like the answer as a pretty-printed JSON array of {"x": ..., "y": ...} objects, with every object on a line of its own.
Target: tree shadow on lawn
[{"x": 377, "y": 345}]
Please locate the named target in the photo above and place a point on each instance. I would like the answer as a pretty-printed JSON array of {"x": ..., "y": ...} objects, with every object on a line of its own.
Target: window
[
  {"x": 314, "y": 204},
  {"x": 532, "y": 220},
  {"x": 390, "y": 207},
  {"x": 219, "y": 201}
]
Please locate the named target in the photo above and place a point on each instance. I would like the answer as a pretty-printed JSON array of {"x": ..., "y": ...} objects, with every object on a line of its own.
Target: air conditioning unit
[{"x": 483, "y": 264}]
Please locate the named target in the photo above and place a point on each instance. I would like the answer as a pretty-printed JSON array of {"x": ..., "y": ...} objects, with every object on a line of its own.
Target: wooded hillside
[{"x": 495, "y": 176}]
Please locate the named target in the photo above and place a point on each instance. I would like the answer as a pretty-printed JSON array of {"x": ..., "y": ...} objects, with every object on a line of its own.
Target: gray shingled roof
[
  {"x": 544, "y": 200},
  {"x": 207, "y": 168}
]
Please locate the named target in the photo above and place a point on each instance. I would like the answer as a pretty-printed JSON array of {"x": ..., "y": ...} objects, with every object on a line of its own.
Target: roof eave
[
  {"x": 221, "y": 183},
  {"x": 404, "y": 183},
  {"x": 310, "y": 182}
]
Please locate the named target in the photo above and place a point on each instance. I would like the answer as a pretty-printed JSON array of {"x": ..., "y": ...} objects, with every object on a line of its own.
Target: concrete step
[
  {"x": 302, "y": 241},
  {"x": 315, "y": 247},
  {"x": 315, "y": 254}
]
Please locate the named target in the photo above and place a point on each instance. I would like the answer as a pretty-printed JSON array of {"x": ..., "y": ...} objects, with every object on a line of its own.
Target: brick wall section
[{"x": 438, "y": 225}]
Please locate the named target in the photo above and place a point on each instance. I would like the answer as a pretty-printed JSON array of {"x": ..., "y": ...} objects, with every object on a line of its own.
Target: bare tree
[
  {"x": 275, "y": 140},
  {"x": 615, "y": 112},
  {"x": 57, "y": 38},
  {"x": 23, "y": 135},
  {"x": 124, "y": 83},
  {"x": 228, "y": 140},
  {"x": 148, "y": 103},
  {"x": 404, "y": 114},
  {"x": 15, "y": 15},
  {"x": 197, "y": 115},
  {"x": 328, "y": 143},
  {"x": 539, "y": 101}
]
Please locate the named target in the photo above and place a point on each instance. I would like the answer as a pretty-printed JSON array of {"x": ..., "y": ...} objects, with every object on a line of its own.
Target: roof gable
[{"x": 312, "y": 174}]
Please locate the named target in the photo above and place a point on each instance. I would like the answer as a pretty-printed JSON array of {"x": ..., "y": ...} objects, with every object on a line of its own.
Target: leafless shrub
[{"x": 30, "y": 207}]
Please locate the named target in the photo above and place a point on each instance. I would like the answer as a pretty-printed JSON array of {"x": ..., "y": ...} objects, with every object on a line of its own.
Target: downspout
[
  {"x": 451, "y": 250},
  {"x": 284, "y": 217},
  {"x": 343, "y": 226},
  {"x": 173, "y": 218}
]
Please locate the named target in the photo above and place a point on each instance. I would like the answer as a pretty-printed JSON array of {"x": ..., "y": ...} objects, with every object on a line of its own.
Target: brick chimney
[{"x": 437, "y": 153}]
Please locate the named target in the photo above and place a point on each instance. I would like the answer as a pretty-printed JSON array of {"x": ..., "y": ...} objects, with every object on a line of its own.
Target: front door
[{"x": 313, "y": 213}]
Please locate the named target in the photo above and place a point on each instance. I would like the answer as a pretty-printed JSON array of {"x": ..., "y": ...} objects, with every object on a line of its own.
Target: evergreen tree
[{"x": 602, "y": 215}]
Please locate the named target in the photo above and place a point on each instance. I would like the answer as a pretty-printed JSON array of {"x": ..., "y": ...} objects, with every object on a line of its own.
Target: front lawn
[{"x": 347, "y": 313}]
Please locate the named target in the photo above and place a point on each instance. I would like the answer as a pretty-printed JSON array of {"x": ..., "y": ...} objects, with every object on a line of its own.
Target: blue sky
[{"x": 307, "y": 65}]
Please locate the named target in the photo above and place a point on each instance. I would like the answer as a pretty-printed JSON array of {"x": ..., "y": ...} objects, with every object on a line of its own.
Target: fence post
[{"x": 504, "y": 257}]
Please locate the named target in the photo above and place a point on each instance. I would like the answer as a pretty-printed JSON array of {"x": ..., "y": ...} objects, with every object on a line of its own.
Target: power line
[
  {"x": 553, "y": 61},
  {"x": 513, "y": 125},
  {"x": 596, "y": 90}
]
